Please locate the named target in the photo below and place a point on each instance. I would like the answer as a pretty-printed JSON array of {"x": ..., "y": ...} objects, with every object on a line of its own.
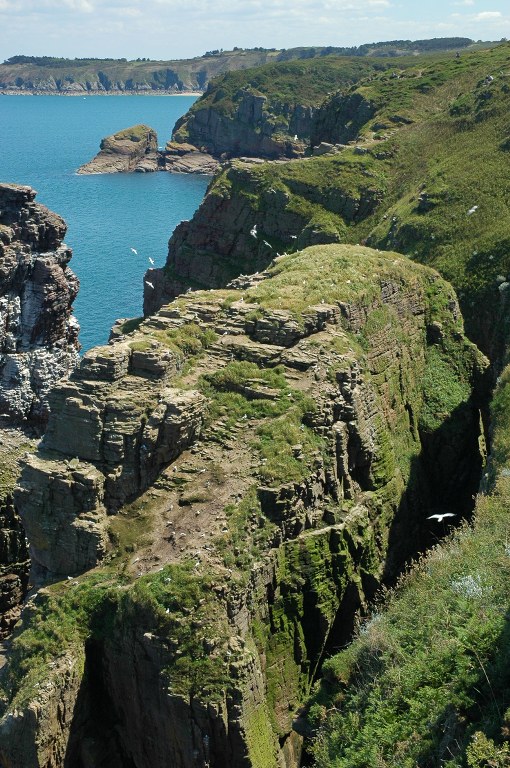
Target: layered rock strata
[
  {"x": 132, "y": 149},
  {"x": 38, "y": 332},
  {"x": 186, "y": 158},
  {"x": 252, "y": 462}
]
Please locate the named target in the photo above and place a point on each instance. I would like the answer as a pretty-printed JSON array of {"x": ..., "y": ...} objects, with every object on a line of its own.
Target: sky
[{"x": 176, "y": 29}]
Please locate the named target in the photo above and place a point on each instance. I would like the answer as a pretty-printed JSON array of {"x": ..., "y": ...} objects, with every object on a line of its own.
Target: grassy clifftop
[{"x": 424, "y": 173}]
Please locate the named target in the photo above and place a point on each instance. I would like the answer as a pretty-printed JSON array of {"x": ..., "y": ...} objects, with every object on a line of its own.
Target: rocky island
[{"x": 132, "y": 149}]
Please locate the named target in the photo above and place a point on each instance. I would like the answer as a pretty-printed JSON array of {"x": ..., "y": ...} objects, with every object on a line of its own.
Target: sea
[{"x": 44, "y": 139}]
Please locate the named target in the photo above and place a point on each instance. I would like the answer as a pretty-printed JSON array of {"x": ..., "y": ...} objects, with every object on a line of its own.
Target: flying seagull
[
  {"x": 149, "y": 284},
  {"x": 151, "y": 261},
  {"x": 441, "y": 517},
  {"x": 472, "y": 210},
  {"x": 253, "y": 232},
  {"x": 134, "y": 251}
]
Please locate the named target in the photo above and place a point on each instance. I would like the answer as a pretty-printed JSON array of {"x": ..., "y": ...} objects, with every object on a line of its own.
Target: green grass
[
  {"x": 426, "y": 682},
  {"x": 452, "y": 156},
  {"x": 58, "y": 622},
  {"x": 163, "y": 603}
]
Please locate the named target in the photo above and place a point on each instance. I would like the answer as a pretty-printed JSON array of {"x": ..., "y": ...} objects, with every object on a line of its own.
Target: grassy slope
[
  {"x": 454, "y": 152},
  {"x": 427, "y": 681}
]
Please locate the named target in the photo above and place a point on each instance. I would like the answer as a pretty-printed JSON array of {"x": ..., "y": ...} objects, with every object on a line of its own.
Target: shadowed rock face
[
  {"x": 261, "y": 456},
  {"x": 132, "y": 149},
  {"x": 38, "y": 333}
]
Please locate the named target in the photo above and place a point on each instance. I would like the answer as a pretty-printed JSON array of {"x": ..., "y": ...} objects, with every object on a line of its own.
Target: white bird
[
  {"x": 149, "y": 284},
  {"x": 472, "y": 210},
  {"x": 441, "y": 517},
  {"x": 268, "y": 244},
  {"x": 134, "y": 251},
  {"x": 295, "y": 137},
  {"x": 253, "y": 231},
  {"x": 151, "y": 261}
]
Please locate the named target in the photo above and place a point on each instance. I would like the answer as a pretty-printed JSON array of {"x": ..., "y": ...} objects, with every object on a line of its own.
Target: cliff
[
  {"x": 403, "y": 181},
  {"x": 48, "y": 74},
  {"x": 425, "y": 681},
  {"x": 217, "y": 491},
  {"x": 38, "y": 346},
  {"x": 268, "y": 111},
  {"x": 38, "y": 333},
  {"x": 132, "y": 149}
]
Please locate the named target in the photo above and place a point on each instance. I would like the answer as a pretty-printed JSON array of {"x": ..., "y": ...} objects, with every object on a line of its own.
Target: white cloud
[{"x": 487, "y": 15}]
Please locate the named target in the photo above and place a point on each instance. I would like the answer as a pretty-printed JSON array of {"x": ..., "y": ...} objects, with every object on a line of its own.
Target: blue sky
[{"x": 166, "y": 29}]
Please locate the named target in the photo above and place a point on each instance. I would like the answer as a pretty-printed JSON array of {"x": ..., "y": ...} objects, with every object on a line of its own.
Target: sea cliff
[
  {"x": 38, "y": 346},
  {"x": 221, "y": 581}
]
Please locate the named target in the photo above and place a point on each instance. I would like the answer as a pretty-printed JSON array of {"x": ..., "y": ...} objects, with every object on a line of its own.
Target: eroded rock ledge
[{"x": 240, "y": 471}]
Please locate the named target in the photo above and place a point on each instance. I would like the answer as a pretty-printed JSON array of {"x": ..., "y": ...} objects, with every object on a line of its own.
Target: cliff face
[
  {"x": 253, "y": 210},
  {"x": 269, "y": 111},
  {"x": 38, "y": 333},
  {"x": 257, "y": 128},
  {"x": 132, "y": 149},
  {"x": 38, "y": 346},
  {"x": 252, "y": 461},
  {"x": 394, "y": 186}
]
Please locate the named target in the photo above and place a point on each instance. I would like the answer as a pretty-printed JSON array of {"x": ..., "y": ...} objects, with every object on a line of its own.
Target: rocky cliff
[
  {"x": 38, "y": 333},
  {"x": 132, "y": 149},
  {"x": 38, "y": 346},
  {"x": 394, "y": 185},
  {"x": 217, "y": 492},
  {"x": 269, "y": 111}
]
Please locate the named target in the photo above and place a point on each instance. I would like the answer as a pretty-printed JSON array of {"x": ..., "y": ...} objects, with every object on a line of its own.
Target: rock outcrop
[
  {"x": 185, "y": 158},
  {"x": 251, "y": 461},
  {"x": 257, "y": 128},
  {"x": 132, "y": 149},
  {"x": 38, "y": 346},
  {"x": 38, "y": 332}
]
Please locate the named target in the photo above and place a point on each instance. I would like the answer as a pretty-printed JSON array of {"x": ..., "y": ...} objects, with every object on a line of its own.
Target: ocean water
[{"x": 44, "y": 139}]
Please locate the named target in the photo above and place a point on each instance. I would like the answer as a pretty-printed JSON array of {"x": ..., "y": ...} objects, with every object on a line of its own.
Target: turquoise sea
[{"x": 44, "y": 139}]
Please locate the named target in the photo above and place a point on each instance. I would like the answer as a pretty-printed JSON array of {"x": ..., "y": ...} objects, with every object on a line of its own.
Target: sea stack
[{"x": 132, "y": 149}]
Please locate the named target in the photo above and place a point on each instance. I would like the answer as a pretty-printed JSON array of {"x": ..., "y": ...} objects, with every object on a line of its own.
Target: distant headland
[{"x": 48, "y": 75}]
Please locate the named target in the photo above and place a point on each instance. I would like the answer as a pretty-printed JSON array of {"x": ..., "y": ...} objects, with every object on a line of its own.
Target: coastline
[{"x": 86, "y": 94}]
